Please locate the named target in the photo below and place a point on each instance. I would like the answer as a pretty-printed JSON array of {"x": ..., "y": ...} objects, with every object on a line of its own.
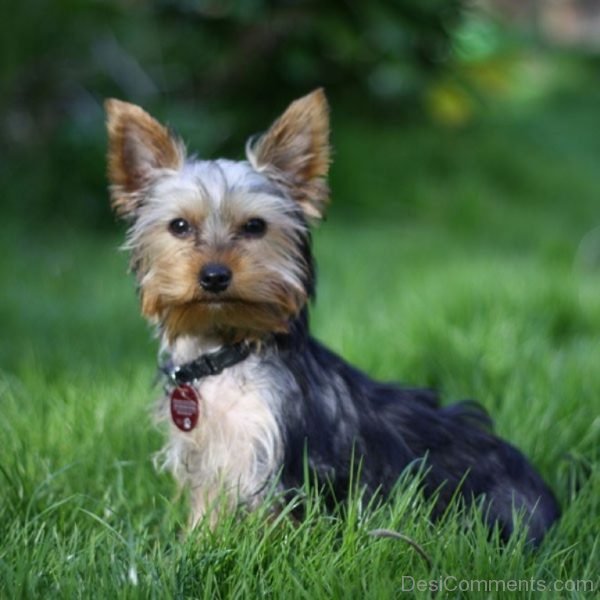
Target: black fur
[{"x": 337, "y": 416}]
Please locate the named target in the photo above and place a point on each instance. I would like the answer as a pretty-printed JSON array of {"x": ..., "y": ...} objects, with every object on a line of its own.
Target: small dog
[{"x": 222, "y": 255}]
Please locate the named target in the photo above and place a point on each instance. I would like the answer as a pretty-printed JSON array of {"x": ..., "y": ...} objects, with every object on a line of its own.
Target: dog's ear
[
  {"x": 139, "y": 149},
  {"x": 295, "y": 152}
]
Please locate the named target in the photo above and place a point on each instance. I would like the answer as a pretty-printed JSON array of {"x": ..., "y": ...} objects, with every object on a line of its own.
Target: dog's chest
[
  {"x": 235, "y": 402},
  {"x": 236, "y": 443}
]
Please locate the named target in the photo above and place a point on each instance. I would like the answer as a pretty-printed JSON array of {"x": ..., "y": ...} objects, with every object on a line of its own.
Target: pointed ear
[
  {"x": 139, "y": 149},
  {"x": 295, "y": 152}
]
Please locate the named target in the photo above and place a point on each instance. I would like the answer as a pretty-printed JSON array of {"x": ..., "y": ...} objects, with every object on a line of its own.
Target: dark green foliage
[{"x": 216, "y": 71}]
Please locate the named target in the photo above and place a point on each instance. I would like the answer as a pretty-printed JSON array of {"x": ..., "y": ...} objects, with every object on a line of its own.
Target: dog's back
[{"x": 339, "y": 412}]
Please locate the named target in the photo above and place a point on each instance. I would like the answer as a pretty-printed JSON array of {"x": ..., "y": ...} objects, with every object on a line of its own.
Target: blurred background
[
  {"x": 456, "y": 124},
  {"x": 220, "y": 70}
]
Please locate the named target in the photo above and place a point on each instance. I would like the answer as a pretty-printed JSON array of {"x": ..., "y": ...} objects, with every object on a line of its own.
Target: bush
[{"x": 240, "y": 61}]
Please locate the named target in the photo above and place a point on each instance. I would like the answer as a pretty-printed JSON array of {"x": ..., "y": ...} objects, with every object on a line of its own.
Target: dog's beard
[{"x": 232, "y": 318}]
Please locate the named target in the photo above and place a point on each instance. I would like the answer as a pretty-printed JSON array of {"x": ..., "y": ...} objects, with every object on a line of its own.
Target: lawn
[{"x": 464, "y": 260}]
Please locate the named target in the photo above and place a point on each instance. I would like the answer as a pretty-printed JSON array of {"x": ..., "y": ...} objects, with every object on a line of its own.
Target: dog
[{"x": 221, "y": 251}]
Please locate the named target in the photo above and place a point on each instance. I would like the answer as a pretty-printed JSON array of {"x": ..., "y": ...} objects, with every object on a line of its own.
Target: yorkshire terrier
[{"x": 222, "y": 254}]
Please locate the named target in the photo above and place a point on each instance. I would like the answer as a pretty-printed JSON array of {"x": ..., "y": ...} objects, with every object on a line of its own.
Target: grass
[{"x": 468, "y": 261}]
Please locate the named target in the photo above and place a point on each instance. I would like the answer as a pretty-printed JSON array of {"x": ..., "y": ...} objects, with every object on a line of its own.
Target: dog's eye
[
  {"x": 254, "y": 227},
  {"x": 180, "y": 227}
]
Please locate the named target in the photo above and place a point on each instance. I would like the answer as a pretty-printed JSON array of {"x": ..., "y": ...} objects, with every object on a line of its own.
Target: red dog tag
[{"x": 184, "y": 407}]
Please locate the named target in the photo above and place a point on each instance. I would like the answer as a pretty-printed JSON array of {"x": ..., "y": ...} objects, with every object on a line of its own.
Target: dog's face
[{"x": 220, "y": 246}]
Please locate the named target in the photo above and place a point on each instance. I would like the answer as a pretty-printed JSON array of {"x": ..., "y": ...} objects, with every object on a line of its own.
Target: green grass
[{"x": 469, "y": 262}]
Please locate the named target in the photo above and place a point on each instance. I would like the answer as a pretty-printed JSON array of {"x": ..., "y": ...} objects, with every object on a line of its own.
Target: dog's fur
[{"x": 291, "y": 398}]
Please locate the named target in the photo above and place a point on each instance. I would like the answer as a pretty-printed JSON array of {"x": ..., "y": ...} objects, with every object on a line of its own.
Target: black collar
[{"x": 211, "y": 363}]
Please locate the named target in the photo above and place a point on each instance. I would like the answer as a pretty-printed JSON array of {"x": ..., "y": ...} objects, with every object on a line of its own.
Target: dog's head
[{"x": 221, "y": 246}]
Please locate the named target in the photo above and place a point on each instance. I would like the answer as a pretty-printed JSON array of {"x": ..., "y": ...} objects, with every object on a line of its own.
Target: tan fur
[
  {"x": 139, "y": 147},
  {"x": 232, "y": 321},
  {"x": 266, "y": 290},
  {"x": 257, "y": 300},
  {"x": 295, "y": 152}
]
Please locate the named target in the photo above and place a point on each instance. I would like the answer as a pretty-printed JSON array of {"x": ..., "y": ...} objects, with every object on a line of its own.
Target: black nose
[{"x": 215, "y": 277}]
